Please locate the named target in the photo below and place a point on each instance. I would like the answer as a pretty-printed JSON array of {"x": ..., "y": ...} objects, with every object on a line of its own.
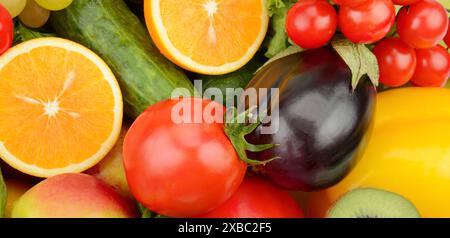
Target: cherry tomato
[
  {"x": 6, "y": 30},
  {"x": 423, "y": 24},
  {"x": 433, "y": 67},
  {"x": 368, "y": 22},
  {"x": 181, "y": 169},
  {"x": 405, "y": 2},
  {"x": 258, "y": 198},
  {"x": 447, "y": 37},
  {"x": 397, "y": 61},
  {"x": 311, "y": 23},
  {"x": 349, "y": 2}
]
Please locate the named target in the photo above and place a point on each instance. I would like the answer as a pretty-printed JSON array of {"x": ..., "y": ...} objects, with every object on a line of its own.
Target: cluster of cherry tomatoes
[
  {"x": 6, "y": 30},
  {"x": 407, "y": 45},
  {"x": 32, "y": 13}
]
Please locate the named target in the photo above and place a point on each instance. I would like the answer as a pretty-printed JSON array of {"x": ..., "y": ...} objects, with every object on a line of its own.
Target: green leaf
[
  {"x": 293, "y": 49},
  {"x": 279, "y": 39},
  {"x": 145, "y": 213},
  {"x": 359, "y": 59},
  {"x": 274, "y": 5},
  {"x": 3, "y": 196},
  {"x": 23, "y": 33},
  {"x": 236, "y": 129}
]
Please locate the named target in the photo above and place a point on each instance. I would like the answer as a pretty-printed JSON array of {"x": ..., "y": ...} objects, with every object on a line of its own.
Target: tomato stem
[{"x": 236, "y": 129}]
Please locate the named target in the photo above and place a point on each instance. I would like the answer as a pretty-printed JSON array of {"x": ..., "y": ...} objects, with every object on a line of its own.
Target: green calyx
[{"x": 236, "y": 129}]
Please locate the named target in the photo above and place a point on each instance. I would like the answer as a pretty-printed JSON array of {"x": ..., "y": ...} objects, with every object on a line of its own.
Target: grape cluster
[{"x": 34, "y": 13}]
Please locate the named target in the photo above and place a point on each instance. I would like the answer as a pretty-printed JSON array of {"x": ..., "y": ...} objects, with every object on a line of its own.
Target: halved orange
[
  {"x": 207, "y": 36},
  {"x": 60, "y": 107}
]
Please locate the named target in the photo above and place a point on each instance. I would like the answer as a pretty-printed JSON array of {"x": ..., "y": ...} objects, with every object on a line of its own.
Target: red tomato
[
  {"x": 367, "y": 22},
  {"x": 447, "y": 37},
  {"x": 349, "y": 2},
  {"x": 311, "y": 23},
  {"x": 6, "y": 30},
  {"x": 405, "y": 2},
  {"x": 181, "y": 169},
  {"x": 423, "y": 24},
  {"x": 397, "y": 61},
  {"x": 433, "y": 67},
  {"x": 258, "y": 198}
]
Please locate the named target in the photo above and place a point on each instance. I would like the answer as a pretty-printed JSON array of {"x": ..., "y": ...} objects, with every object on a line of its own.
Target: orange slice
[
  {"x": 207, "y": 36},
  {"x": 60, "y": 107}
]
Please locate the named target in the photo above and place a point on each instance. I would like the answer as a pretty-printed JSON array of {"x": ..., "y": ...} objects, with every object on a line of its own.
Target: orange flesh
[
  {"x": 85, "y": 107},
  {"x": 215, "y": 39}
]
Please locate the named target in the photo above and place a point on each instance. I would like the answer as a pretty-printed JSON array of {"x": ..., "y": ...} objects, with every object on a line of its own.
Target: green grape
[
  {"x": 445, "y": 3},
  {"x": 54, "y": 5},
  {"x": 33, "y": 15},
  {"x": 14, "y": 7}
]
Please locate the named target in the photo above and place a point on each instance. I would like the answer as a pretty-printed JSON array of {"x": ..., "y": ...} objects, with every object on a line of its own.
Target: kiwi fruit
[{"x": 372, "y": 203}]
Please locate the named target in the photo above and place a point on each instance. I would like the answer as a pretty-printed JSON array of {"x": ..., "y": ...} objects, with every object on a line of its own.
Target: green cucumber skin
[{"x": 111, "y": 30}]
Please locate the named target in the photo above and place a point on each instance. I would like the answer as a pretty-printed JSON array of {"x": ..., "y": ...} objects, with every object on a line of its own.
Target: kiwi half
[{"x": 372, "y": 203}]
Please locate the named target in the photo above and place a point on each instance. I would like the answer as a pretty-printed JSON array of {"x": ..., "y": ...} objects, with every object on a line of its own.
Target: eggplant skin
[{"x": 323, "y": 123}]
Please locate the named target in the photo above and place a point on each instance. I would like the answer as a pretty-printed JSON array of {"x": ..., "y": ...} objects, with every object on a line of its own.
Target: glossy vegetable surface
[
  {"x": 396, "y": 60},
  {"x": 311, "y": 24},
  {"x": 367, "y": 22},
  {"x": 423, "y": 24},
  {"x": 433, "y": 67},
  {"x": 321, "y": 122},
  {"x": 181, "y": 169},
  {"x": 349, "y": 2},
  {"x": 405, "y": 2},
  {"x": 6, "y": 30},
  {"x": 447, "y": 37},
  {"x": 408, "y": 152},
  {"x": 257, "y": 198}
]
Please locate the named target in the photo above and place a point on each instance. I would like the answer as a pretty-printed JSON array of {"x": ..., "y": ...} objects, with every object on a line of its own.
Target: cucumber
[
  {"x": 111, "y": 30},
  {"x": 235, "y": 80}
]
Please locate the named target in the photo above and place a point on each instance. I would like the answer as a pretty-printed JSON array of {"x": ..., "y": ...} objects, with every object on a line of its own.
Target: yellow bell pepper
[{"x": 408, "y": 152}]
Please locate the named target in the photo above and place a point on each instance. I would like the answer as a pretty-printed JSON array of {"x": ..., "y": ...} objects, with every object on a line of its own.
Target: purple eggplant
[{"x": 322, "y": 121}]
